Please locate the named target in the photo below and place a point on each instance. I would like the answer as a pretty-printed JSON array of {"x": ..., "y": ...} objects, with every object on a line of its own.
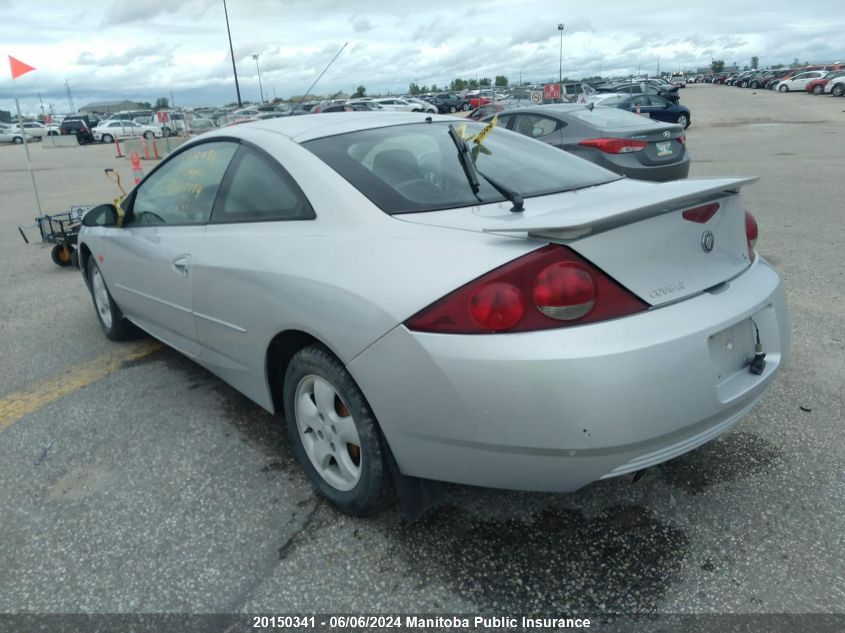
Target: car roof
[{"x": 306, "y": 128}]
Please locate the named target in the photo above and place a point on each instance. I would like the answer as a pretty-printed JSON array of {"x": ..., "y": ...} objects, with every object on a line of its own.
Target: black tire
[
  {"x": 755, "y": 84},
  {"x": 783, "y": 88},
  {"x": 817, "y": 89},
  {"x": 107, "y": 138},
  {"x": 838, "y": 90},
  {"x": 744, "y": 84},
  {"x": 452, "y": 109},
  {"x": 466, "y": 106},
  {"x": 148, "y": 135},
  {"x": 120, "y": 329},
  {"x": 18, "y": 140},
  {"x": 60, "y": 256},
  {"x": 374, "y": 487}
]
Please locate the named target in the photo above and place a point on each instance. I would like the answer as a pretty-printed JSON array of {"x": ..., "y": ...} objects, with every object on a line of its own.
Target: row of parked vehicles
[{"x": 817, "y": 80}]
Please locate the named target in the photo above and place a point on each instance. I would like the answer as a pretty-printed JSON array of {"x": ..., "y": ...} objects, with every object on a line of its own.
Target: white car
[
  {"x": 34, "y": 129},
  {"x": 679, "y": 80},
  {"x": 800, "y": 81},
  {"x": 110, "y": 130},
  {"x": 8, "y": 135},
  {"x": 404, "y": 105},
  {"x": 836, "y": 86}
]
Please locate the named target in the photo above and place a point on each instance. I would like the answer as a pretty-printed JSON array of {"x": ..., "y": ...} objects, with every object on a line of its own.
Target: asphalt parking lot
[{"x": 134, "y": 480}]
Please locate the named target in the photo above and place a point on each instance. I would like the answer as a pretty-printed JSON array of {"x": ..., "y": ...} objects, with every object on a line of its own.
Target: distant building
[{"x": 109, "y": 107}]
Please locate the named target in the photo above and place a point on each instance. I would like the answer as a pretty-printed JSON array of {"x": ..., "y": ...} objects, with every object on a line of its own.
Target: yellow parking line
[{"x": 19, "y": 404}]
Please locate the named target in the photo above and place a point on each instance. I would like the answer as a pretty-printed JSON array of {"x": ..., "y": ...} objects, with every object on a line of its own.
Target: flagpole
[{"x": 26, "y": 149}]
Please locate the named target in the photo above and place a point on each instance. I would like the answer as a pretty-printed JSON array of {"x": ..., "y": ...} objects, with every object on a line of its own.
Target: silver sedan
[{"x": 428, "y": 299}]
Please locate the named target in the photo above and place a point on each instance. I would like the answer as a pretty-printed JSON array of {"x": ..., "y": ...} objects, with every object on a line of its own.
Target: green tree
[
  {"x": 360, "y": 91},
  {"x": 413, "y": 88},
  {"x": 717, "y": 65},
  {"x": 484, "y": 82},
  {"x": 161, "y": 104},
  {"x": 458, "y": 84},
  {"x": 501, "y": 80},
  {"x": 777, "y": 66},
  {"x": 472, "y": 84},
  {"x": 434, "y": 88},
  {"x": 754, "y": 62}
]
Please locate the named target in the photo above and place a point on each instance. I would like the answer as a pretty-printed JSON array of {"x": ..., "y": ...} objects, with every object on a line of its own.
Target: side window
[
  {"x": 505, "y": 121},
  {"x": 535, "y": 125},
  {"x": 182, "y": 190},
  {"x": 257, "y": 189},
  {"x": 658, "y": 101},
  {"x": 639, "y": 101}
]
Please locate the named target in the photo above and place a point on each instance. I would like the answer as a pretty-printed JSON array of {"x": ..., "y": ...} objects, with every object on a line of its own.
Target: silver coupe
[{"x": 425, "y": 298}]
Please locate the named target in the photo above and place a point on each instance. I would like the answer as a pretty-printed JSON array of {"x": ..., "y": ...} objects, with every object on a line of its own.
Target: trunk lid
[
  {"x": 634, "y": 231},
  {"x": 664, "y": 142}
]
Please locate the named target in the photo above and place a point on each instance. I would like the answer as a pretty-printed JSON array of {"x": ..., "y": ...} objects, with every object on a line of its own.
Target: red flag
[{"x": 18, "y": 67}]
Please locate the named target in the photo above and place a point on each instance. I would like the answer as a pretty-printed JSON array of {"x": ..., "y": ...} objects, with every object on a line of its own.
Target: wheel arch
[
  {"x": 84, "y": 256},
  {"x": 281, "y": 349}
]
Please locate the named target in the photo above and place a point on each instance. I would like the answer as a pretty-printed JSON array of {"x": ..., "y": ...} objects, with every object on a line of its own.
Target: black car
[
  {"x": 81, "y": 126},
  {"x": 654, "y": 107},
  {"x": 446, "y": 102}
]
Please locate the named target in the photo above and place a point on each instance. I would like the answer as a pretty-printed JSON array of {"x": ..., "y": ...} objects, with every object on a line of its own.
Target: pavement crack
[{"x": 293, "y": 540}]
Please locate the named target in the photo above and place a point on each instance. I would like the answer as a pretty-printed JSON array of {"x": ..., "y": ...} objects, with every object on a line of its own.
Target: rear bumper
[
  {"x": 556, "y": 410},
  {"x": 630, "y": 166}
]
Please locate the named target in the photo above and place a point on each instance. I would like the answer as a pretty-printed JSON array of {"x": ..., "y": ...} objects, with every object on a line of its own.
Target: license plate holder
[
  {"x": 732, "y": 349},
  {"x": 664, "y": 148}
]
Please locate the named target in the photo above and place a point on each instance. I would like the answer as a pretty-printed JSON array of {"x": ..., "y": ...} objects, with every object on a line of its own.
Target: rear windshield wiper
[{"x": 472, "y": 172}]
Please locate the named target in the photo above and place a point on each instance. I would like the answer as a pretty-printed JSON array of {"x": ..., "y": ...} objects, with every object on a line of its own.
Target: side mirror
[{"x": 103, "y": 215}]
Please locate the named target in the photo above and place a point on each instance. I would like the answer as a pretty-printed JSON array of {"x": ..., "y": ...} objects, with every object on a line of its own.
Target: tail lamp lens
[
  {"x": 497, "y": 306},
  {"x": 551, "y": 287},
  {"x": 615, "y": 145},
  {"x": 565, "y": 291},
  {"x": 751, "y": 229}
]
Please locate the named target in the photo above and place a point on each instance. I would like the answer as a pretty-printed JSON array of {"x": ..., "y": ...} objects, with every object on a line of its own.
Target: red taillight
[
  {"x": 497, "y": 306},
  {"x": 701, "y": 215},
  {"x": 615, "y": 145},
  {"x": 751, "y": 232},
  {"x": 682, "y": 139},
  {"x": 565, "y": 291},
  {"x": 548, "y": 288}
]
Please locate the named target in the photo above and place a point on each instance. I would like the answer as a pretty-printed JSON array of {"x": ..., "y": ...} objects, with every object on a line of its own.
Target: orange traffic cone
[
  {"x": 120, "y": 154},
  {"x": 135, "y": 160}
]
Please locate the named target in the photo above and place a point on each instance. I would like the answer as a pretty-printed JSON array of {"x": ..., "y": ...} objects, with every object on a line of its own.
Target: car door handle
[{"x": 182, "y": 264}]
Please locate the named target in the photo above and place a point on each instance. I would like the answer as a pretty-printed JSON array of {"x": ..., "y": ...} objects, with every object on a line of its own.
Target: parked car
[
  {"x": 622, "y": 142},
  {"x": 680, "y": 81},
  {"x": 403, "y": 105},
  {"x": 200, "y": 125},
  {"x": 8, "y": 134},
  {"x": 81, "y": 126},
  {"x": 767, "y": 78},
  {"x": 411, "y": 367},
  {"x": 817, "y": 86},
  {"x": 446, "y": 102},
  {"x": 799, "y": 81},
  {"x": 836, "y": 87},
  {"x": 35, "y": 130},
  {"x": 642, "y": 88},
  {"x": 109, "y": 130},
  {"x": 497, "y": 106},
  {"x": 653, "y": 106}
]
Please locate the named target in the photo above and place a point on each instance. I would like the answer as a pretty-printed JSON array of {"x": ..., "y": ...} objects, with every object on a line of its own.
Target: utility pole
[
  {"x": 560, "y": 68},
  {"x": 172, "y": 101},
  {"x": 70, "y": 98},
  {"x": 258, "y": 70},
  {"x": 232, "y": 52}
]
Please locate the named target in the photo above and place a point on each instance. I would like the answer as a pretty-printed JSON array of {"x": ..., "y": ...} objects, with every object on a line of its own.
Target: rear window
[
  {"x": 612, "y": 118},
  {"x": 413, "y": 168}
]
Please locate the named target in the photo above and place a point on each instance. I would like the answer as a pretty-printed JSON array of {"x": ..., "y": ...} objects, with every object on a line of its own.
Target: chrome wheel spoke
[
  {"x": 324, "y": 396},
  {"x": 307, "y": 412},
  {"x": 346, "y": 431}
]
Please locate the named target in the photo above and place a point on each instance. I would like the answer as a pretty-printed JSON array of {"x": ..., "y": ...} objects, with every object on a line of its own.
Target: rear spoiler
[{"x": 591, "y": 221}]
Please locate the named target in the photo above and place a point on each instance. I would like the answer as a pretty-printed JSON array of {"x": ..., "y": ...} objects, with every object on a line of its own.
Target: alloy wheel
[
  {"x": 101, "y": 298},
  {"x": 328, "y": 433}
]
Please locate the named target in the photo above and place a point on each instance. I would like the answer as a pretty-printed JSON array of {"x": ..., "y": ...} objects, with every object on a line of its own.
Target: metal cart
[{"x": 60, "y": 229}]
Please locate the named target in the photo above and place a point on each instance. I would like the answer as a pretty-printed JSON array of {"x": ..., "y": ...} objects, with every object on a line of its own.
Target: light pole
[
  {"x": 232, "y": 52},
  {"x": 260, "y": 89},
  {"x": 560, "y": 69}
]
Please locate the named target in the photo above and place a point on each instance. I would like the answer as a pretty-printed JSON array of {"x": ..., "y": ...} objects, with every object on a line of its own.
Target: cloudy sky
[{"x": 144, "y": 49}]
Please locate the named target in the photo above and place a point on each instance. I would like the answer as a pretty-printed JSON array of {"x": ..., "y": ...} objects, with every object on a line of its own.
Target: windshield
[{"x": 412, "y": 168}]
